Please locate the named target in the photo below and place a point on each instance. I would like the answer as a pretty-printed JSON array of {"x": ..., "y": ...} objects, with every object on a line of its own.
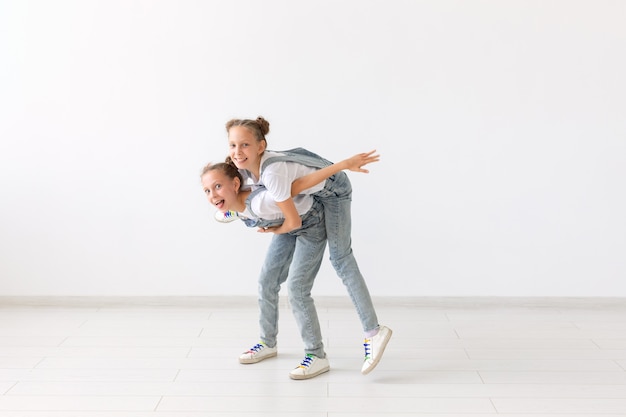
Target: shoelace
[
  {"x": 230, "y": 214},
  {"x": 368, "y": 348},
  {"x": 306, "y": 362},
  {"x": 256, "y": 348}
]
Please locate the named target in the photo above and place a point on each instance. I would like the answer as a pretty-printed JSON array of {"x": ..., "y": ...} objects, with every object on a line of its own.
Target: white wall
[{"x": 501, "y": 125}]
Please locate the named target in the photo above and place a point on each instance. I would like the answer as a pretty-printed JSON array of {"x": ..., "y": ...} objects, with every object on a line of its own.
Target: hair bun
[{"x": 263, "y": 124}]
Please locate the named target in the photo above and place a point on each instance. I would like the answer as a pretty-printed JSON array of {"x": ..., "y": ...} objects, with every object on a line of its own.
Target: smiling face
[
  {"x": 221, "y": 190},
  {"x": 245, "y": 149}
]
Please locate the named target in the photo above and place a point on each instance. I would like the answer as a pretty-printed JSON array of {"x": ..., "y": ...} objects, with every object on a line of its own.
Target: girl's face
[
  {"x": 244, "y": 149},
  {"x": 220, "y": 190}
]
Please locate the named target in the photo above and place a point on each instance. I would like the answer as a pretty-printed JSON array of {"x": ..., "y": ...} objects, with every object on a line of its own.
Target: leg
[
  {"x": 337, "y": 203},
  {"x": 306, "y": 263},
  {"x": 337, "y": 200},
  {"x": 273, "y": 274}
]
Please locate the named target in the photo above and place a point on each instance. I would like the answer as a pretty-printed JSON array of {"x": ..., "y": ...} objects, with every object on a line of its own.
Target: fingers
[
  {"x": 357, "y": 162},
  {"x": 370, "y": 156}
]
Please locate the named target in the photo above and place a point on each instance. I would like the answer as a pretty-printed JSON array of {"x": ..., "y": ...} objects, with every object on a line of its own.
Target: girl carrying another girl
[{"x": 275, "y": 172}]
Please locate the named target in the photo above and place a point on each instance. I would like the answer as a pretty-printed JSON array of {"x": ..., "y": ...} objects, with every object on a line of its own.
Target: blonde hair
[
  {"x": 259, "y": 127},
  {"x": 228, "y": 168}
]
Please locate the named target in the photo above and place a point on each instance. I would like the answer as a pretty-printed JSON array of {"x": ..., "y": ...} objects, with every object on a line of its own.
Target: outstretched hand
[{"x": 356, "y": 162}]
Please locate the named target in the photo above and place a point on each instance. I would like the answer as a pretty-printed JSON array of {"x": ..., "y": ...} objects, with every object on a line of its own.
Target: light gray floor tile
[
  {"x": 477, "y": 390},
  {"x": 30, "y": 341},
  {"x": 546, "y": 377},
  {"x": 5, "y": 386},
  {"x": 561, "y": 405},
  {"x": 19, "y": 362},
  {"x": 148, "y": 388},
  {"x": 85, "y": 374},
  {"x": 376, "y": 406},
  {"x": 126, "y": 413},
  {"x": 78, "y": 403},
  {"x": 501, "y": 365},
  {"x": 565, "y": 354},
  {"x": 611, "y": 343},
  {"x": 447, "y": 358}
]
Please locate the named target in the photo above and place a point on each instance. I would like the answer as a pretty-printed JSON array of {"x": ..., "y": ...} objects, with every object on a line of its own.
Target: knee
[
  {"x": 340, "y": 256},
  {"x": 298, "y": 290}
]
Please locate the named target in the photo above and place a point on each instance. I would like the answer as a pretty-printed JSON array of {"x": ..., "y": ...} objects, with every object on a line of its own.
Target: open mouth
[{"x": 219, "y": 204}]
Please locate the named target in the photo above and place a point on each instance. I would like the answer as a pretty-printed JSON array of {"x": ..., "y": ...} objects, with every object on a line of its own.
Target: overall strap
[
  {"x": 298, "y": 155},
  {"x": 253, "y": 193},
  {"x": 255, "y": 221}
]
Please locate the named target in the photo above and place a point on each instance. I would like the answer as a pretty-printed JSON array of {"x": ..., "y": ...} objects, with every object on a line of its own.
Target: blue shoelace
[
  {"x": 306, "y": 362},
  {"x": 368, "y": 348}
]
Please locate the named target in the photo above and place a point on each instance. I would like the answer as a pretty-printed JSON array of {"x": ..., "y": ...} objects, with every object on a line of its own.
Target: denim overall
[
  {"x": 336, "y": 199},
  {"x": 294, "y": 257}
]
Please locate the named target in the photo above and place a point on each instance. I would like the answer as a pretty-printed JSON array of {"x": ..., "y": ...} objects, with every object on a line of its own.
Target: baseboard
[{"x": 320, "y": 301}]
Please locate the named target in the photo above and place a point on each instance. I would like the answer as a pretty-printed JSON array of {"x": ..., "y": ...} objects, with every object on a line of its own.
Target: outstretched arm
[
  {"x": 288, "y": 208},
  {"x": 354, "y": 163}
]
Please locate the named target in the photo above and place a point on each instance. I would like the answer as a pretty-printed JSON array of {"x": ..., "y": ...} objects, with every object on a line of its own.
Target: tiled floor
[{"x": 447, "y": 358}]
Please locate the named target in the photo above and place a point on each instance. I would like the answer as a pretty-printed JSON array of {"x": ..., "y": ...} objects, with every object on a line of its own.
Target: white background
[{"x": 501, "y": 125}]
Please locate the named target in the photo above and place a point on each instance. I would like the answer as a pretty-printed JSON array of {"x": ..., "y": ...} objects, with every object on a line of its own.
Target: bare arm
[
  {"x": 354, "y": 163},
  {"x": 292, "y": 218}
]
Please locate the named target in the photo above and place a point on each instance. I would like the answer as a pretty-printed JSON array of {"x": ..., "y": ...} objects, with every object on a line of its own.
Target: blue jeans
[
  {"x": 337, "y": 199},
  {"x": 296, "y": 257}
]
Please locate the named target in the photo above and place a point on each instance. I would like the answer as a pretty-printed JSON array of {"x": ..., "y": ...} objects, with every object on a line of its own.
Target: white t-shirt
[
  {"x": 278, "y": 176},
  {"x": 265, "y": 207}
]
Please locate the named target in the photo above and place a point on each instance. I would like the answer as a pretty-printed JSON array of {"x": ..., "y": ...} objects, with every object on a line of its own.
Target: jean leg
[
  {"x": 337, "y": 211},
  {"x": 273, "y": 274},
  {"x": 306, "y": 263}
]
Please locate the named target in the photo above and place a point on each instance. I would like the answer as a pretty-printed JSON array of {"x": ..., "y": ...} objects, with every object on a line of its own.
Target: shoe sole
[
  {"x": 309, "y": 376},
  {"x": 380, "y": 355},
  {"x": 256, "y": 359}
]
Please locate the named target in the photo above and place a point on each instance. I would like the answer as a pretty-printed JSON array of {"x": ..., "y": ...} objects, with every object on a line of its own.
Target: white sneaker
[
  {"x": 257, "y": 353},
  {"x": 374, "y": 349},
  {"x": 311, "y": 366},
  {"x": 227, "y": 217}
]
